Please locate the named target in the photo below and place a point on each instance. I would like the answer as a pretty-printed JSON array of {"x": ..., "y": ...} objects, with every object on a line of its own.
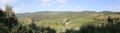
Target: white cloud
[
  {"x": 7, "y": 1},
  {"x": 114, "y": 9},
  {"x": 46, "y": 4},
  {"x": 4, "y": 2},
  {"x": 19, "y": 10},
  {"x": 62, "y": 1},
  {"x": 45, "y": 1},
  {"x": 62, "y": 6},
  {"x": 2, "y": 7},
  {"x": 78, "y": 7}
]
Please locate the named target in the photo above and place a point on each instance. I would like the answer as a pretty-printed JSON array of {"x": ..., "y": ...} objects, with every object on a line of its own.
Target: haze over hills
[
  {"x": 56, "y": 12},
  {"x": 52, "y": 17},
  {"x": 53, "y": 13},
  {"x": 59, "y": 22},
  {"x": 59, "y": 16}
]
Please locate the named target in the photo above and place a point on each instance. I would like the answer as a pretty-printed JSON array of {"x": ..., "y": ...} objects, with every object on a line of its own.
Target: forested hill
[
  {"x": 76, "y": 18},
  {"x": 59, "y": 22},
  {"x": 60, "y": 14},
  {"x": 54, "y": 14}
]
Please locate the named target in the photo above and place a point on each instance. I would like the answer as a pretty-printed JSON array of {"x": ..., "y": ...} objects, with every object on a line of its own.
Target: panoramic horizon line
[{"x": 68, "y": 11}]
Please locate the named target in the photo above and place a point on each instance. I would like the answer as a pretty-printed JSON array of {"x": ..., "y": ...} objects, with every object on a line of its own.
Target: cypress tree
[
  {"x": 109, "y": 20},
  {"x": 8, "y": 12},
  {"x": 1, "y": 14},
  {"x": 3, "y": 27},
  {"x": 11, "y": 19}
]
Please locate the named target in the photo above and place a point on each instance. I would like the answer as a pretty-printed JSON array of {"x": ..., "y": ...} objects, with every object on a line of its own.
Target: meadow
[
  {"x": 59, "y": 22},
  {"x": 54, "y": 19}
]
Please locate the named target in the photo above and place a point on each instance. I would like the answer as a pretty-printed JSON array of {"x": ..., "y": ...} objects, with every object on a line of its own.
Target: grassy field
[
  {"x": 76, "y": 19},
  {"x": 59, "y": 22}
]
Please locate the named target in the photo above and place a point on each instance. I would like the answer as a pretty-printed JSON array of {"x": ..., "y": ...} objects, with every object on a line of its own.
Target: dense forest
[{"x": 59, "y": 22}]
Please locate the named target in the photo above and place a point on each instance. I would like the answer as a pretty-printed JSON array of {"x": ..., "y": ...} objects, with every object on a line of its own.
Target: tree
[
  {"x": 8, "y": 12},
  {"x": 3, "y": 27},
  {"x": 1, "y": 13},
  {"x": 11, "y": 19},
  {"x": 109, "y": 20}
]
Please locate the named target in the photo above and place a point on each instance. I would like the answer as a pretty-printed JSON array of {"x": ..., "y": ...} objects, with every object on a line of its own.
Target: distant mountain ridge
[{"x": 60, "y": 14}]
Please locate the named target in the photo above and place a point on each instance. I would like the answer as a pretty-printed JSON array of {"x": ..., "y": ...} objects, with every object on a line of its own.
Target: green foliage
[
  {"x": 8, "y": 12},
  {"x": 104, "y": 28},
  {"x": 37, "y": 22},
  {"x": 9, "y": 24}
]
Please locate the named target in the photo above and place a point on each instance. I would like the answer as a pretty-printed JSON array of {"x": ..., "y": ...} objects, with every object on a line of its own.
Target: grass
[
  {"x": 77, "y": 20},
  {"x": 56, "y": 24}
]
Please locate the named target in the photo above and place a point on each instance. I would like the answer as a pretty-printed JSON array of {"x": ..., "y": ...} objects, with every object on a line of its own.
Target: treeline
[
  {"x": 113, "y": 26},
  {"x": 10, "y": 24},
  {"x": 7, "y": 20}
]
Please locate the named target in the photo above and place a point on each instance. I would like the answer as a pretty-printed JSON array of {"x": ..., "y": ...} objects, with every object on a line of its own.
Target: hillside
[{"x": 52, "y": 18}]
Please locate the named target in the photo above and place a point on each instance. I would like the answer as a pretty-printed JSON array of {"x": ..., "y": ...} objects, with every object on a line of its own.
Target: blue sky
[{"x": 21, "y": 6}]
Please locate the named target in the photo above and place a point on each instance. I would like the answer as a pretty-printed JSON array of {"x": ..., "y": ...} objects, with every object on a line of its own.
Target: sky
[{"x": 22, "y": 6}]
